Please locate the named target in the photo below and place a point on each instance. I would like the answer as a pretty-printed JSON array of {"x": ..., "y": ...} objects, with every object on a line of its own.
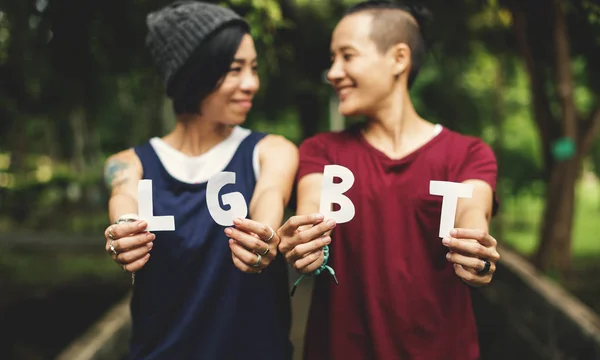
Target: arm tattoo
[{"x": 114, "y": 173}]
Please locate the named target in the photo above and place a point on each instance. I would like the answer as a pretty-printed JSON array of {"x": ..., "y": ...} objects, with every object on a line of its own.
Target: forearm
[
  {"x": 309, "y": 199},
  {"x": 473, "y": 219},
  {"x": 307, "y": 207},
  {"x": 268, "y": 208},
  {"x": 122, "y": 173},
  {"x": 121, "y": 204}
]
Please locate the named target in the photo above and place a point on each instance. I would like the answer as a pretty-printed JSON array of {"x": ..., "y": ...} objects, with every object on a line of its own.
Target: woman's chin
[
  {"x": 234, "y": 120},
  {"x": 347, "y": 110}
]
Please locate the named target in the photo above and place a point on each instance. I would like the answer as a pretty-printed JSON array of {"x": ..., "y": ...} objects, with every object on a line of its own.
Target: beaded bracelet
[{"x": 321, "y": 268}]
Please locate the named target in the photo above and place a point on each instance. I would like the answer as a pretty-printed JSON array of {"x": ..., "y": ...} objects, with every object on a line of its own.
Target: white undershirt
[{"x": 198, "y": 169}]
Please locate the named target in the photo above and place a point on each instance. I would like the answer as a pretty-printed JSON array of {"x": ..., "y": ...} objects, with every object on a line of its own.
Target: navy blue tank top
[{"x": 189, "y": 300}]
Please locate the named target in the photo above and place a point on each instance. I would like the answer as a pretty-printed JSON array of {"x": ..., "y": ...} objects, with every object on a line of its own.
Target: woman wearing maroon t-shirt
[{"x": 403, "y": 293}]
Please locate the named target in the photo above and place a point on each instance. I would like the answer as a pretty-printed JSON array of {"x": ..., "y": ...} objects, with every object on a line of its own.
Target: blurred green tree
[{"x": 556, "y": 41}]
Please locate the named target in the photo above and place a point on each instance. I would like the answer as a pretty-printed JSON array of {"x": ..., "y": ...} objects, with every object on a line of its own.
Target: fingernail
[
  {"x": 453, "y": 232},
  {"x": 228, "y": 231},
  {"x": 140, "y": 223},
  {"x": 446, "y": 241},
  {"x": 150, "y": 245},
  {"x": 150, "y": 235},
  {"x": 331, "y": 223},
  {"x": 327, "y": 240},
  {"x": 319, "y": 217},
  {"x": 448, "y": 256},
  {"x": 237, "y": 221}
]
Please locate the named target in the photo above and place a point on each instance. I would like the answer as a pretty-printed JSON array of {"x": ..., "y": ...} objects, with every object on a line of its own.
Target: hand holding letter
[
  {"x": 253, "y": 245},
  {"x": 303, "y": 248},
  {"x": 129, "y": 244},
  {"x": 474, "y": 255}
]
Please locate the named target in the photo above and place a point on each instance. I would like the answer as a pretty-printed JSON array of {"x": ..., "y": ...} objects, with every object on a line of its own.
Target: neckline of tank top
[
  {"x": 241, "y": 135},
  {"x": 237, "y": 136}
]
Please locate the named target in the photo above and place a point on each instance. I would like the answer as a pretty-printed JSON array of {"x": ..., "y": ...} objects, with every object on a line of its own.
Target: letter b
[{"x": 332, "y": 193}]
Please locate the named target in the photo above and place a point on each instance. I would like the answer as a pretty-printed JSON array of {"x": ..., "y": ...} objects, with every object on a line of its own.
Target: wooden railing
[
  {"x": 535, "y": 313},
  {"x": 107, "y": 339},
  {"x": 551, "y": 321}
]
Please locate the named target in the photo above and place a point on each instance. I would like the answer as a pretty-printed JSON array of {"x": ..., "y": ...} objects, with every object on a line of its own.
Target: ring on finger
[
  {"x": 112, "y": 248},
  {"x": 258, "y": 260},
  {"x": 266, "y": 251},
  {"x": 110, "y": 233},
  {"x": 272, "y": 234},
  {"x": 486, "y": 267}
]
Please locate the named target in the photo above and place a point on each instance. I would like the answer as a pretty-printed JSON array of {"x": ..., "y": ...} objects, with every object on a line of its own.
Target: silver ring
[
  {"x": 258, "y": 260},
  {"x": 110, "y": 234},
  {"x": 266, "y": 251},
  {"x": 272, "y": 234},
  {"x": 112, "y": 248}
]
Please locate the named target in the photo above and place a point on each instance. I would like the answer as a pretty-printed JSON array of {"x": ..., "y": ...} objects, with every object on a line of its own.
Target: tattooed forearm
[{"x": 115, "y": 173}]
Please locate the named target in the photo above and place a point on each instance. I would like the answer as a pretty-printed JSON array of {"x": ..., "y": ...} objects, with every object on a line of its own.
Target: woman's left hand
[
  {"x": 253, "y": 245},
  {"x": 474, "y": 255}
]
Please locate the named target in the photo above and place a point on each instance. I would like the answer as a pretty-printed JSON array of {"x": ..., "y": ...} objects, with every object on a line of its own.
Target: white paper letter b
[{"x": 332, "y": 193}]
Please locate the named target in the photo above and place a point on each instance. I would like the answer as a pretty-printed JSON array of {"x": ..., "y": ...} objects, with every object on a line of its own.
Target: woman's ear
[{"x": 401, "y": 58}]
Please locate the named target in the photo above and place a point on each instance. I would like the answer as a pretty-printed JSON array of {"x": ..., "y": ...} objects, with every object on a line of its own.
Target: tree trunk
[
  {"x": 78, "y": 127},
  {"x": 540, "y": 102},
  {"x": 93, "y": 147},
  {"x": 18, "y": 161},
  {"x": 554, "y": 250},
  {"x": 16, "y": 67},
  {"x": 51, "y": 139}
]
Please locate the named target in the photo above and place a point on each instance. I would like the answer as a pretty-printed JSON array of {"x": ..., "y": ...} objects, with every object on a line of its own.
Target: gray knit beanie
[{"x": 176, "y": 30}]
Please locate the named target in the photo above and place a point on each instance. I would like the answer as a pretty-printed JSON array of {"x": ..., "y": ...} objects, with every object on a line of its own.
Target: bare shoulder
[
  {"x": 277, "y": 142},
  {"x": 277, "y": 146},
  {"x": 122, "y": 167}
]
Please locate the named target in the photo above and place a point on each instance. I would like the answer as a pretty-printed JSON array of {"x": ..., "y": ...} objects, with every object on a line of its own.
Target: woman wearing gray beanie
[{"x": 214, "y": 287}]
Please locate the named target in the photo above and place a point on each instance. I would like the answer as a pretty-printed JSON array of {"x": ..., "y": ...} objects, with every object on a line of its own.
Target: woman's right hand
[
  {"x": 303, "y": 249},
  {"x": 129, "y": 245}
]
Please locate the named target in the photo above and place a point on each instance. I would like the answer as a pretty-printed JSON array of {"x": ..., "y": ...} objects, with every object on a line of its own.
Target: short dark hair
[
  {"x": 205, "y": 69},
  {"x": 395, "y": 23}
]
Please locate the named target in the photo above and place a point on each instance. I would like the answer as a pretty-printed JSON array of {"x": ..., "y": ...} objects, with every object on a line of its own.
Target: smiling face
[
  {"x": 364, "y": 77},
  {"x": 230, "y": 102}
]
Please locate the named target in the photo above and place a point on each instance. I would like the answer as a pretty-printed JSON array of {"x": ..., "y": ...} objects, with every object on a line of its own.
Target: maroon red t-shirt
[{"x": 398, "y": 297}]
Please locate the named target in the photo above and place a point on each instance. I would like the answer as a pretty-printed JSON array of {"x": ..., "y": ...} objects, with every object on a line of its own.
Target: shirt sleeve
[
  {"x": 313, "y": 156},
  {"x": 479, "y": 163}
]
